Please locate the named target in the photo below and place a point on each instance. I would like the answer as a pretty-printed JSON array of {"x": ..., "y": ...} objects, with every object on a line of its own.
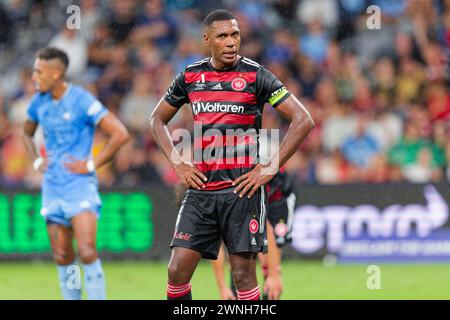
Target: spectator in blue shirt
[{"x": 360, "y": 148}]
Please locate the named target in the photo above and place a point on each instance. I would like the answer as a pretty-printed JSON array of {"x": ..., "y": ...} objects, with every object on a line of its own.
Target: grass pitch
[{"x": 302, "y": 280}]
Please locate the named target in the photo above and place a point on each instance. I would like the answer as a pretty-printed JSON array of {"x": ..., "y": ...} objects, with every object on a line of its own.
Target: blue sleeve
[
  {"x": 93, "y": 110},
  {"x": 32, "y": 109}
]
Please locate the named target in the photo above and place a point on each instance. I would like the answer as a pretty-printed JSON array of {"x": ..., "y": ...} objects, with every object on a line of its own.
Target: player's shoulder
[
  {"x": 197, "y": 66},
  {"x": 81, "y": 95},
  {"x": 79, "y": 91},
  {"x": 38, "y": 97},
  {"x": 250, "y": 64}
]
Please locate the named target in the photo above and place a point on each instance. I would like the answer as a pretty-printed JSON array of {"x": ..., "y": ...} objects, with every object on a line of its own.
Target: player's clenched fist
[{"x": 190, "y": 176}]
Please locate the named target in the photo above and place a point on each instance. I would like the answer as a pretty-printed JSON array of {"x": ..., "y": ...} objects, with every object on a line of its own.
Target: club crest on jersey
[
  {"x": 238, "y": 84},
  {"x": 253, "y": 226},
  {"x": 66, "y": 116}
]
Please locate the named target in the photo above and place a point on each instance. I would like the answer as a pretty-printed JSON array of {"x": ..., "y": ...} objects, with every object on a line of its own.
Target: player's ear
[
  {"x": 56, "y": 74},
  {"x": 207, "y": 36},
  {"x": 206, "y": 39},
  {"x": 61, "y": 72}
]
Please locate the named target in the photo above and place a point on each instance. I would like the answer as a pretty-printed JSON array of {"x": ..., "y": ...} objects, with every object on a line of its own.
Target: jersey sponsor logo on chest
[{"x": 198, "y": 107}]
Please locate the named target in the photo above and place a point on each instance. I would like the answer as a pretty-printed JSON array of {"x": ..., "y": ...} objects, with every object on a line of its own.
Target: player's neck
[
  {"x": 59, "y": 89},
  {"x": 216, "y": 64}
]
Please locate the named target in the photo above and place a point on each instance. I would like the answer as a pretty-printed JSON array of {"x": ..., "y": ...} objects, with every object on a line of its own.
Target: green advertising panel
[{"x": 125, "y": 225}]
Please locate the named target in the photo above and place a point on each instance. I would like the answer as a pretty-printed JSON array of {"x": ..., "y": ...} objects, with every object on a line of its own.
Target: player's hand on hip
[
  {"x": 77, "y": 166},
  {"x": 40, "y": 164},
  {"x": 252, "y": 181},
  {"x": 190, "y": 176},
  {"x": 273, "y": 287}
]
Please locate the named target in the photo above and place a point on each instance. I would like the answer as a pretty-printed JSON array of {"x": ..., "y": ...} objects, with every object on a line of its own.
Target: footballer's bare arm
[
  {"x": 301, "y": 123},
  {"x": 29, "y": 129},
  {"x": 189, "y": 175},
  {"x": 117, "y": 136}
]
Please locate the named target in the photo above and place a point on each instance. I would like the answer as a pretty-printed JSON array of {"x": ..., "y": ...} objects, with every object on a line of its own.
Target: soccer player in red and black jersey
[{"x": 225, "y": 199}]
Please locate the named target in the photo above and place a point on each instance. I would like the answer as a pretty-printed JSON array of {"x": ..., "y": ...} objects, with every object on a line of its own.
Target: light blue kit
[{"x": 69, "y": 126}]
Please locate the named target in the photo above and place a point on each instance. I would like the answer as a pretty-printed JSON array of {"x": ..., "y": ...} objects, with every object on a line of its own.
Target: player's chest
[{"x": 53, "y": 116}]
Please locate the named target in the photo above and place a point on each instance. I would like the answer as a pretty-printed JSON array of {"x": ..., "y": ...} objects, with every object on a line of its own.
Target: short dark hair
[
  {"x": 218, "y": 15},
  {"x": 50, "y": 53}
]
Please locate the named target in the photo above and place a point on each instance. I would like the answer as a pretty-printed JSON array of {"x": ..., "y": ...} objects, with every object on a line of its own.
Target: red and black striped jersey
[{"x": 227, "y": 106}]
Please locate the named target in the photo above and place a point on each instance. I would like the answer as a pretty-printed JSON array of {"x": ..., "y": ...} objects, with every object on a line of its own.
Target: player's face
[
  {"x": 224, "y": 40},
  {"x": 45, "y": 74}
]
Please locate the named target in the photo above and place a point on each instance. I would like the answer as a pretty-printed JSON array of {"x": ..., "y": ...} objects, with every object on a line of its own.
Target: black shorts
[
  {"x": 208, "y": 217},
  {"x": 280, "y": 215}
]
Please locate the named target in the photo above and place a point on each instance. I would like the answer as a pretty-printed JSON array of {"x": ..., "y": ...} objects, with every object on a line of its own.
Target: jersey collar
[
  {"x": 231, "y": 68},
  {"x": 66, "y": 93}
]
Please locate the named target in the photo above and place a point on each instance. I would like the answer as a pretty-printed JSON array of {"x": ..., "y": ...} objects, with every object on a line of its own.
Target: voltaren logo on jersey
[
  {"x": 238, "y": 84},
  {"x": 198, "y": 107}
]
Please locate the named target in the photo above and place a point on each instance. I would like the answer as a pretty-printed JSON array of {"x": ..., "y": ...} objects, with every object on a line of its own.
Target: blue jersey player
[{"x": 68, "y": 115}]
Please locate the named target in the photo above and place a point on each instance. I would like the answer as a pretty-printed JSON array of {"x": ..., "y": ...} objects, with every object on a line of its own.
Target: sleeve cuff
[
  {"x": 172, "y": 104},
  {"x": 100, "y": 117}
]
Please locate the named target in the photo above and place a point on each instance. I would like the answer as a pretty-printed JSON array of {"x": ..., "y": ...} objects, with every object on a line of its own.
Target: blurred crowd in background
[{"x": 379, "y": 97}]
